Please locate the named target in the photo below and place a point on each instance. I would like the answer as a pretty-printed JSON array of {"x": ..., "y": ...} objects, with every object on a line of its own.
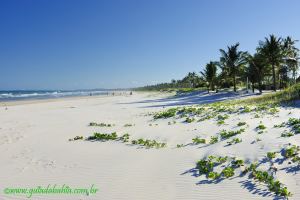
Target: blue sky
[{"x": 72, "y": 44}]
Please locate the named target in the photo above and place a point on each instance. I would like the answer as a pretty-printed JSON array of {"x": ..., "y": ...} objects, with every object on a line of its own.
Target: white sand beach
[{"x": 36, "y": 151}]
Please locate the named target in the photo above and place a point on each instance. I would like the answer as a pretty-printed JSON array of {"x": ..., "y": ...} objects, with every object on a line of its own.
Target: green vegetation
[
  {"x": 189, "y": 120},
  {"x": 287, "y": 134},
  {"x": 207, "y": 167},
  {"x": 261, "y": 127},
  {"x": 166, "y": 114},
  {"x": 285, "y": 96},
  {"x": 149, "y": 143},
  {"x": 221, "y": 118},
  {"x": 273, "y": 185},
  {"x": 293, "y": 124},
  {"x": 227, "y": 134},
  {"x": 234, "y": 141},
  {"x": 241, "y": 123},
  {"x": 198, "y": 140},
  {"x": 237, "y": 163},
  {"x": 213, "y": 175},
  {"x": 221, "y": 122},
  {"x": 213, "y": 140},
  {"x": 209, "y": 75},
  {"x": 271, "y": 155},
  {"x": 273, "y": 66},
  {"x": 125, "y": 137},
  {"x": 280, "y": 125},
  {"x": 100, "y": 124},
  {"x": 103, "y": 136},
  {"x": 128, "y": 125},
  {"x": 76, "y": 138},
  {"x": 228, "y": 172},
  {"x": 291, "y": 152}
]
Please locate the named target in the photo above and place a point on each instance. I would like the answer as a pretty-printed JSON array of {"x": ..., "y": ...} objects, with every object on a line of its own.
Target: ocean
[{"x": 14, "y": 95}]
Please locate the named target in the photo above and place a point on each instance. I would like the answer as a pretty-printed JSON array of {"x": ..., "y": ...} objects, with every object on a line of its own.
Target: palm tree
[
  {"x": 291, "y": 54},
  {"x": 233, "y": 60},
  {"x": 209, "y": 75},
  {"x": 271, "y": 49},
  {"x": 192, "y": 79},
  {"x": 257, "y": 69}
]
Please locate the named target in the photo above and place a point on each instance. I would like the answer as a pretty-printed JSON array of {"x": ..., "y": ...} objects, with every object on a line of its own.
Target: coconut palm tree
[
  {"x": 209, "y": 75},
  {"x": 191, "y": 79},
  {"x": 257, "y": 69},
  {"x": 272, "y": 50},
  {"x": 291, "y": 56},
  {"x": 232, "y": 61}
]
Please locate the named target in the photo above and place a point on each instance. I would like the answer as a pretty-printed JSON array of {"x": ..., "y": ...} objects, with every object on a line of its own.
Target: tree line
[{"x": 273, "y": 66}]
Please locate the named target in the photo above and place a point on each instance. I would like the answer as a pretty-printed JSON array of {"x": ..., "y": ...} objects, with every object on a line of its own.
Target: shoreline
[{"x": 57, "y": 99}]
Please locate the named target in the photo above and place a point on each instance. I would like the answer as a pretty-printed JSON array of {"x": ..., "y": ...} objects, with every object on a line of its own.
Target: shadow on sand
[{"x": 200, "y": 97}]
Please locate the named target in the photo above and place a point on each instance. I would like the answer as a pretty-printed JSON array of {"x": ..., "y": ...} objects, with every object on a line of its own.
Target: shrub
[
  {"x": 100, "y": 124},
  {"x": 204, "y": 166},
  {"x": 166, "y": 114},
  {"x": 149, "y": 143},
  {"x": 213, "y": 175},
  {"x": 246, "y": 109},
  {"x": 291, "y": 152},
  {"x": 241, "y": 123},
  {"x": 213, "y": 140},
  {"x": 228, "y": 172},
  {"x": 103, "y": 136},
  {"x": 253, "y": 166},
  {"x": 227, "y": 134},
  {"x": 261, "y": 127},
  {"x": 128, "y": 125},
  {"x": 221, "y": 159},
  {"x": 189, "y": 120},
  {"x": 76, "y": 138},
  {"x": 222, "y": 117},
  {"x": 198, "y": 140},
  {"x": 179, "y": 145},
  {"x": 280, "y": 125},
  {"x": 294, "y": 124},
  {"x": 271, "y": 155},
  {"x": 125, "y": 137},
  {"x": 221, "y": 122},
  {"x": 234, "y": 141},
  {"x": 287, "y": 134},
  {"x": 260, "y": 132},
  {"x": 274, "y": 186},
  {"x": 237, "y": 163}
]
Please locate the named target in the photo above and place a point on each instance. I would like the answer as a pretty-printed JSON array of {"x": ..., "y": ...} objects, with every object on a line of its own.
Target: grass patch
[{"x": 285, "y": 96}]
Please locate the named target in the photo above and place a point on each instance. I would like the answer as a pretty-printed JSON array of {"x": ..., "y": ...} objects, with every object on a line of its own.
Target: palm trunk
[
  {"x": 208, "y": 87},
  {"x": 274, "y": 77},
  {"x": 260, "y": 86},
  {"x": 234, "y": 83}
]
